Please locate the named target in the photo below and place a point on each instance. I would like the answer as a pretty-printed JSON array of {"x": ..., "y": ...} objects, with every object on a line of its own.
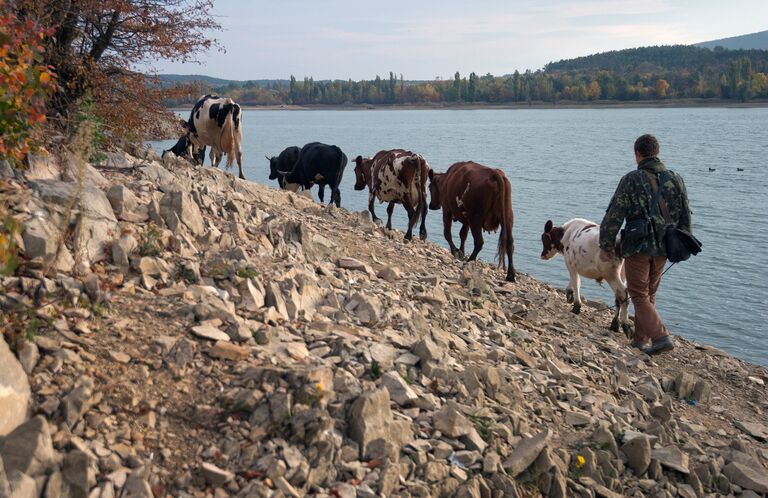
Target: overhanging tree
[{"x": 97, "y": 47}]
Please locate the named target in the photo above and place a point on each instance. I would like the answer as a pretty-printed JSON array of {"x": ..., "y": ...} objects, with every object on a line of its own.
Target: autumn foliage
[
  {"x": 26, "y": 83},
  {"x": 101, "y": 51}
]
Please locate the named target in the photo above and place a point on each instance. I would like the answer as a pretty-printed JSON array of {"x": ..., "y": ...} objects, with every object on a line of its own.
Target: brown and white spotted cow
[
  {"x": 396, "y": 176},
  {"x": 480, "y": 198}
]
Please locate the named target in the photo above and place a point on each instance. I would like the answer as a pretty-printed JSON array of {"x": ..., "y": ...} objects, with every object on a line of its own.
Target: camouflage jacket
[{"x": 632, "y": 200}]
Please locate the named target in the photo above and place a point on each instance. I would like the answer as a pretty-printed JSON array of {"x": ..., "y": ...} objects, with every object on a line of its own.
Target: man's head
[{"x": 646, "y": 146}]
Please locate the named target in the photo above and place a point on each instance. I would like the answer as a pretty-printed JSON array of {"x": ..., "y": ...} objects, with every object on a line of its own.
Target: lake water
[{"x": 566, "y": 163}]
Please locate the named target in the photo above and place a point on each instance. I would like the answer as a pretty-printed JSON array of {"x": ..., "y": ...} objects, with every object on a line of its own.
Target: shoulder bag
[{"x": 679, "y": 244}]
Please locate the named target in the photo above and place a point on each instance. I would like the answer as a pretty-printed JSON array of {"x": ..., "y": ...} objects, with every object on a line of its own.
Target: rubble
[{"x": 200, "y": 335}]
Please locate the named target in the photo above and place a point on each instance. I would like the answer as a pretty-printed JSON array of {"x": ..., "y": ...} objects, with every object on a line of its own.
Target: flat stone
[
  {"x": 577, "y": 419},
  {"x": 29, "y": 448},
  {"x": 746, "y": 477},
  {"x": 399, "y": 391},
  {"x": 450, "y": 421},
  {"x": 210, "y": 333},
  {"x": 757, "y": 431},
  {"x": 14, "y": 391},
  {"x": 214, "y": 475},
  {"x": 119, "y": 357},
  {"x": 350, "y": 264},
  {"x": 671, "y": 457},
  {"x": 228, "y": 351},
  {"x": 370, "y": 419},
  {"x": 526, "y": 452}
]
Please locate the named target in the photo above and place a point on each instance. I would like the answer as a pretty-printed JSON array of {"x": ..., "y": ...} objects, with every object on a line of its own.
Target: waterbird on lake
[
  {"x": 712, "y": 169},
  {"x": 739, "y": 169}
]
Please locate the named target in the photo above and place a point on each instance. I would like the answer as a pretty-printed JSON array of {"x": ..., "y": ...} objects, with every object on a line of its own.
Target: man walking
[{"x": 641, "y": 245}]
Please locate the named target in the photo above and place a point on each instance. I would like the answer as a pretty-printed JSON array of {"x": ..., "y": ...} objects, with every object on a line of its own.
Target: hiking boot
[{"x": 660, "y": 345}]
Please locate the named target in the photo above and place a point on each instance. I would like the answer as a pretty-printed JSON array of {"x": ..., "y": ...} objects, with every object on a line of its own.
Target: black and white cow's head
[{"x": 551, "y": 240}]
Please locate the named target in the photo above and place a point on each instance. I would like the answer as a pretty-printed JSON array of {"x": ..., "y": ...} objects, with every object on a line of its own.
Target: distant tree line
[{"x": 650, "y": 73}]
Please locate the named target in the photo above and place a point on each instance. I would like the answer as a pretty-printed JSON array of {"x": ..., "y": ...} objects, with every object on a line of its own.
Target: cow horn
[{"x": 268, "y": 158}]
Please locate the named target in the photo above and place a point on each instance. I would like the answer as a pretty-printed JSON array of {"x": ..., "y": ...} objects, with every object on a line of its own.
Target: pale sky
[{"x": 424, "y": 39}]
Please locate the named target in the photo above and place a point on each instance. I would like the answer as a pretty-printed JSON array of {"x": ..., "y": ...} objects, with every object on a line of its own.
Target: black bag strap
[{"x": 658, "y": 195}]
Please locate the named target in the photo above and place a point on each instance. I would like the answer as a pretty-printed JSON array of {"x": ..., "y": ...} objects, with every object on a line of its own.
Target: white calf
[{"x": 578, "y": 241}]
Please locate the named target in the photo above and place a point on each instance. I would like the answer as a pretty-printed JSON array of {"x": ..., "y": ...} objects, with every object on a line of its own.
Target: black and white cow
[
  {"x": 317, "y": 164},
  {"x": 217, "y": 122},
  {"x": 186, "y": 149},
  {"x": 578, "y": 241}
]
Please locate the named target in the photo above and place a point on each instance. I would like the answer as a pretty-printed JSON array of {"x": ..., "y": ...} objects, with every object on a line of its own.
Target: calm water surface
[{"x": 565, "y": 164}]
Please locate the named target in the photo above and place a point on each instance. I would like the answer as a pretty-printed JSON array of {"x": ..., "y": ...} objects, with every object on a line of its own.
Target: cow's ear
[
  {"x": 431, "y": 174},
  {"x": 358, "y": 159},
  {"x": 548, "y": 226}
]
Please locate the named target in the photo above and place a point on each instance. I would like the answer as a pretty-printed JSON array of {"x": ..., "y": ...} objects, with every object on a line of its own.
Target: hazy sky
[{"x": 424, "y": 39}]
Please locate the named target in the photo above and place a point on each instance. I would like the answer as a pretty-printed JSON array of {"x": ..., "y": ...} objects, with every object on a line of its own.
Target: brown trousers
[{"x": 643, "y": 278}]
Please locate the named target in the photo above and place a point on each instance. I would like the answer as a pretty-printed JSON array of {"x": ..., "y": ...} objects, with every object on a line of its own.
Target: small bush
[{"x": 151, "y": 243}]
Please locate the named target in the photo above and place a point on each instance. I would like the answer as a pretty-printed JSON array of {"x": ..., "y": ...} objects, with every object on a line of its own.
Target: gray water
[{"x": 566, "y": 163}]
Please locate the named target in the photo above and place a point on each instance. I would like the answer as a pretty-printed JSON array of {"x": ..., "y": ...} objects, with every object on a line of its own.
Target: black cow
[
  {"x": 319, "y": 164},
  {"x": 186, "y": 149},
  {"x": 280, "y": 165}
]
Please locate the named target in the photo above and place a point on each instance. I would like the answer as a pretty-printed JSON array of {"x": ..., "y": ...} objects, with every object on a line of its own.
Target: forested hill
[
  {"x": 683, "y": 58},
  {"x": 752, "y": 41},
  {"x": 638, "y": 74}
]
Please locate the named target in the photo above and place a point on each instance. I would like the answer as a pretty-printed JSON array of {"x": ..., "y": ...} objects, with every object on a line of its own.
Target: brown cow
[
  {"x": 396, "y": 176},
  {"x": 481, "y": 199}
]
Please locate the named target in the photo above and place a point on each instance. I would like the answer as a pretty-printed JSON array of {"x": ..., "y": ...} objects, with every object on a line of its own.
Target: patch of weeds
[
  {"x": 31, "y": 329},
  {"x": 375, "y": 370},
  {"x": 408, "y": 380},
  {"x": 98, "y": 308},
  {"x": 188, "y": 275},
  {"x": 9, "y": 231},
  {"x": 247, "y": 273},
  {"x": 483, "y": 426},
  {"x": 150, "y": 242}
]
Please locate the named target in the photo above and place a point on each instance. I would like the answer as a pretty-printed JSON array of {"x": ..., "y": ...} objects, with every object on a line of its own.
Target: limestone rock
[
  {"x": 29, "y": 448},
  {"x": 210, "y": 333},
  {"x": 41, "y": 242},
  {"x": 747, "y": 477},
  {"x": 228, "y": 351},
  {"x": 214, "y": 475},
  {"x": 671, "y": 457},
  {"x": 122, "y": 199},
  {"x": 369, "y": 420},
  {"x": 638, "y": 452},
  {"x": 399, "y": 391},
  {"x": 451, "y": 422},
  {"x": 178, "y": 208},
  {"x": 427, "y": 350},
  {"x": 526, "y": 452},
  {"x": 14, "y": 391},
  {"x": 78, "y": 401}
]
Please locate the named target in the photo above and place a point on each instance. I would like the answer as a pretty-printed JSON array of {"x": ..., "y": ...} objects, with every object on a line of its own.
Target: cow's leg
[
  {"x": 413, "y": 217},
  {"x": 477, "y": 238},
  {"x": 463, "y": 235},
  {"x": 390, "y": 209},
  {"x": 574, "y": 290},
  {"x": 371, "y": 198},
  {"x": 621, "y": 315},
  {"x": 424, "y": 207},
  {"x": 321, "y": 193},
  {"x": 335, "y": 194},
  {"x": 240, "y": 164},
  {"x": 447, "y": 222}
]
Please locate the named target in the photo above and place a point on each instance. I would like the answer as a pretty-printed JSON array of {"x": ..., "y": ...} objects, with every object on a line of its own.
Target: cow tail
[
  {"x": 228, "y": 137},
  {"x": 505, "y": 237}
]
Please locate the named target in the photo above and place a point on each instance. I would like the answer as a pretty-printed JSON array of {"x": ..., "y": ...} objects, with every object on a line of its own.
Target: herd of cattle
[{"x": 478, "y": 197}]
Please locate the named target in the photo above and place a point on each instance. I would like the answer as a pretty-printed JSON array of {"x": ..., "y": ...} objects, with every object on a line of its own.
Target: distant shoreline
[{"x": 678, "y": 103}]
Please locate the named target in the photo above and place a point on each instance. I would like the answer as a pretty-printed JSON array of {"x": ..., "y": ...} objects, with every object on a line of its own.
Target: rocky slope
[{"x": 198, "y": 335}]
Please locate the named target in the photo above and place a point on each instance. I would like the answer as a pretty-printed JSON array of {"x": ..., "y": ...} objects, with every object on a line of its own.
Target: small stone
[
  {"x": 228, "y": 351},
  {"x": 450, "y": 421},
  {"x": 214, "y": 475},
  {"x": 638, "y": 452},
  {"x": 399, "y": 391},
  {"x": 78, "y": 401},
  {"x": 29, "y": 355},
  {"x": 210, "y": 332},
  {"x": 119, "y": 357},
  {"x": 671, "y": 457},
  {"x": 756, "y": 380},
  {"x": 526, "y": 452},
  {"x": 351, "y": 264}
]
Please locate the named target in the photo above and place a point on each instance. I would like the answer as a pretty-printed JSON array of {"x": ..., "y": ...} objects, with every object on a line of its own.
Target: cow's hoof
[
  {"x": 458, "y": 254},
  {"x": 510, "y": 277},
  {"x": 423, "y": 235},
  {"x": 568, "y": 295},
  {"x": 242, "y": 177},
  {"x": 408, "y": 237},
  {"x": 614, "y": 325},
  {"x": 576, "y": 309},
  {"x": 627, "y": 328}
]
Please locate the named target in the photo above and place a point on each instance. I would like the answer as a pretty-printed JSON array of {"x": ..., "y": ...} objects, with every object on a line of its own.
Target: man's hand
[{"x": 606, "y": 256}]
